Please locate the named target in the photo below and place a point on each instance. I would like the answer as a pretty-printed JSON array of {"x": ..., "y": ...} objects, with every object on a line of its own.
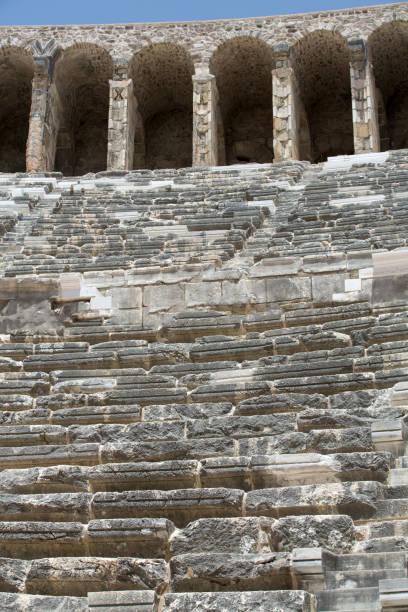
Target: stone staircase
[{"x": 203, "y": 388}]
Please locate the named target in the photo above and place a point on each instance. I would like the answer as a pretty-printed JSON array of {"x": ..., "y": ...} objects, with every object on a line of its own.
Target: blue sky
[{"x": 36, "y": 12}]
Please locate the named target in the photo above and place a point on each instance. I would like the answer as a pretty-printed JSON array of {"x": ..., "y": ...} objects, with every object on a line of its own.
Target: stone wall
[{"x": 334, "y": 63}]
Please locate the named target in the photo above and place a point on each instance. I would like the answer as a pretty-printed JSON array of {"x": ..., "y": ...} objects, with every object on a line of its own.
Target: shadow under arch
[
  {"x": 388, "y": 46},
  {"x": 243, "y": 68},
  {"x": 16, "y": 74},
  {"x": 82, "y": 76},
  {"x": 162, "y": 77},
  {"x": 321, "y": 63}
]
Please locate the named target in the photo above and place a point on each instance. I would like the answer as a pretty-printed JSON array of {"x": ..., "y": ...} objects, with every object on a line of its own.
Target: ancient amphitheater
[{"x": 203, "y": 315}]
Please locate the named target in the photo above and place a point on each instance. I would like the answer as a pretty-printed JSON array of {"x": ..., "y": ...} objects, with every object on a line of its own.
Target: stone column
[
  {"x": 285, "y": 140},
  {"x": 365, "y": 118},
  {"x": 44, "y": 121},
  {"x": 122, "y": 112},
  {"x": 205, "y": 109}
]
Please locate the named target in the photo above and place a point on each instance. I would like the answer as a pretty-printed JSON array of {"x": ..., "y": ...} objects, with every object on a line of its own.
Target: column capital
[
  {"x": 202, "y": 71},
  {"x": 282, "y": 55},
  {"x": 45, "y": 57},
  {"x": 120, "y": 68},
  {"x": 358, "y": 49}
]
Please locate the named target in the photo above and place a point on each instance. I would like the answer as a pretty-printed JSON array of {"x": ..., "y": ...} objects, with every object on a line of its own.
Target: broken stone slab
[
  {"x": 143, "y": 475},
  {"x": 232, "y": 392},
  {"x": 312, "y": 468},
  {"x": 230, "y": 572},
  {"x": 180, "y": 506},
  {"x": 393, "y": 594},
  {"x": 101, "y": 433},
  {"x": 136, "y": 537},
  {"x": 107, "y": 601},
  {"x": 55, "y": 479},
  {"x": 281, "y": 402},
  {"x": 166, "y": 450},
  {"x": 26, "y": 417},
  {"x": 390, "y": 436},
  {"x": 74, "y": 361},
  {"x": 13, "y": 574},
  {"x": 335, "y": 533},
  {"x": 310, "y": 419},
  {"x": 228, "y": 472},
  {"x": 399, "y": 394},
  {"x": 357, "y": 499},
  {"x": 241, "y": 426},
  {"x": 229, "y": 535},
  {"x": 324, "y": 441},
  {"x": 176, "y": 412},
  {"x": 46, "y": 507},
  {"x": 256, "y": 601},
  {"x": 25, "y": 435},
  {"x": 28, "y": 540},
  {"x": 25, "y": 456},
  {"x": 42, "y": 603},
  {"x": 88, "y": 415},
  {"x": 308, "y": 567},
  {"x": 78, "y": 576},
  {"x": 325, "y": 384}
]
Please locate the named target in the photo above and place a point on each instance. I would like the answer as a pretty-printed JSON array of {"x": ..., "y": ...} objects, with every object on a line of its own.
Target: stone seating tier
[{"x": 203, "y": 389}]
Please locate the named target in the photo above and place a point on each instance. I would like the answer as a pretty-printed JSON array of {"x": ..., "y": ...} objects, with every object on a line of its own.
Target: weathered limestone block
[
  {"x": 25, "y": 456},
  {"x": 230, "y": 572},
  {"x": 259, "y": 601},
  {"x": 58, "y": 479},
  {"x": 42, "y": 603},
  {"x": 167, "y": 450},
  {"x": 229, "y": 535},
  {"x": 27, "y": 540},
  {"x": 281, "y": 402},
  {"x": 134, "y": 537},
  {"x": 357, "y": 499},
  {"x": 46, "y": 507},
  {"x": 13, "y": 574},
  {"x": 180, "y": 506},
  {"x": 160, "y": 475},
  {"x": 334, "y": 533},
  {"x": 139, "y": 601},
  {"x": 78, "y": 576}
]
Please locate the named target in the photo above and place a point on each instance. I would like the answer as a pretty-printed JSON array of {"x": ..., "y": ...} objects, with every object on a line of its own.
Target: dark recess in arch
[
  {"x": 82, "y": 79},
  {"x": 243, "y": 70}
]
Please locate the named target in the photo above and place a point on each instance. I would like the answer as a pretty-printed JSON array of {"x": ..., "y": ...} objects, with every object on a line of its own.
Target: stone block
[
  {"x": 122, "y": 601},
  {"x": 258, "y": 601}
]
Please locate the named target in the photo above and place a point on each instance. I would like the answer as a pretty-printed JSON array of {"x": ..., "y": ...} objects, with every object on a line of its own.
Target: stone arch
[
  {"x": 321, "y": 63},
  {"x": 243, "y": 70},
  {"x": 388, "y": 46},
  {"x": 163, "y": 87},
  {"x": 16, "y": 74},
  {"x": 82, "y": 80}
]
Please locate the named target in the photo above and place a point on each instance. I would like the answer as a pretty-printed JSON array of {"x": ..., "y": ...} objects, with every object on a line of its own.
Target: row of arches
[{"x": 163, "y": 117}]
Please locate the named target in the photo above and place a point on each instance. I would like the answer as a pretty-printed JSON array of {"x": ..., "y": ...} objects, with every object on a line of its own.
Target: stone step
[
  {"x": 258, "y": 601},
  {"x": 348, "y": 600},
  {"x": 358, "y": 579}
]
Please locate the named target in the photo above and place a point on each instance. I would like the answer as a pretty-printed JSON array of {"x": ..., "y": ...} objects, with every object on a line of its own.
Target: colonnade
[{"x": 79, "y": 110}]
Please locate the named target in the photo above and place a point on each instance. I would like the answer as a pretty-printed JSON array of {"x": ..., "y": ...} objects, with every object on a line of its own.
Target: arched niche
[
  {"x": 243, "y": 70},
  {"x": 388, "y": 47},
  {"x": 162, "y": 77},
  {"x": 321, "y": 62},
  {"x": 82, "y": 80},
  {"x": 16, "y": 73}
]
